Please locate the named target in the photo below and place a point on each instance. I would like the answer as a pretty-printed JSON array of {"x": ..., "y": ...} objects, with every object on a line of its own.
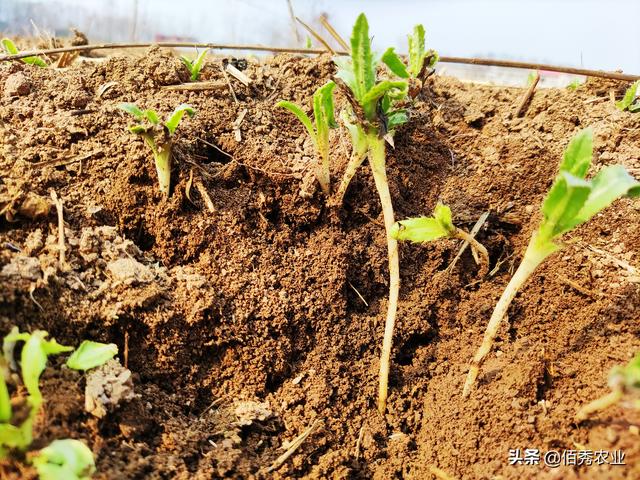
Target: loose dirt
[{"x": 244, "y": 325}]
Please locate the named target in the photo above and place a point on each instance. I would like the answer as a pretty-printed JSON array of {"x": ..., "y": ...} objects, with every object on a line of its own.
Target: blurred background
[{"x": 582, "y": 33}]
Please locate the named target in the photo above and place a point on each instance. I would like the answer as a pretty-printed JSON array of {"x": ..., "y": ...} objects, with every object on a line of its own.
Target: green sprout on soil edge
[
  {"x": 161, "y": 148},
  {"x": 68, "y": 455},
  {"x": 10, "y": 49},
  {"x": 66, "y": 459},
  {"x": 194, "y": 66},
  {"x": 374, "y": 119},
  {"x": 428, "y": 229},
  {"x": 571, "y": 201},
  {"x": 627, "y": 102},
  {"x": 324, "y": 120},
  {"x": 624, "y": 381}
]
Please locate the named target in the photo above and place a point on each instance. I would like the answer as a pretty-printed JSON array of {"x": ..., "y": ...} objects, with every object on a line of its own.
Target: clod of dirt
[
  {"x": 129, "y": 271},
  {"x": 17, "y": 85},
  {"x": 249, "y": 411},
  {"x": 107, "y": 386},
  {"x": 21, "y": 266}
]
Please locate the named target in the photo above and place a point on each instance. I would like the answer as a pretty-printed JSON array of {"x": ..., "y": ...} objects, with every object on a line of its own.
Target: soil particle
[
  {"x": 17, "y": 85},
  {"x": 107, "y": 386}
]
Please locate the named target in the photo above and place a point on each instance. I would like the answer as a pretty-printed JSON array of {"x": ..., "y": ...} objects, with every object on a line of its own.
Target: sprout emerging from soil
[
  {"x": 158, "y": 137},
  {"x": 66, "y": 459},
  {"x": 629, "y": 102},
  {"x": 194, "y": 66},
  {"x": 372, "y": 121},
  {"x": 421, "y": 62},
  {"x": 624, "y": 382},
  {"x": 324, "y": 120},
  {"x": 428, "y": 229},
  {"x": 10, "y": 49},
  {"x": 571, "y": 201}
]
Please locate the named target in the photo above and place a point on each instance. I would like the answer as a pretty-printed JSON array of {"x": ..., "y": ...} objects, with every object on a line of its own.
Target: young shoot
[
  {"x": 10, "y": 49},
  {"x": 194, "y": 66},
  {"x": 375, "y": 116},
  {"x": 630, "y": 100},
  {"x": 66, "y": 459},
  {"x": 624, "y": 382},
  {"x": 571, "y": 201},
  {"x": 428, "y": 229},
  {"x": 324, "y": 120},
  {"x": 158, "y": 137},
  {"x": 420, "y": 64}
]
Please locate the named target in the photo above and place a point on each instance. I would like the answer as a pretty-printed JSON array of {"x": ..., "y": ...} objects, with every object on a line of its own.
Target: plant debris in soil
[{"x": 252, "y": 315}]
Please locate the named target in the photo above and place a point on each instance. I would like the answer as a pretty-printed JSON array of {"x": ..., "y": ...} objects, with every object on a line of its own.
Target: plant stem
[
  {"x": 162, "y": 158},
  {"x": 322, "y": 167},
  {"x": 601, "y": 403},
  {"x": 357, "y": 157},
  {"x": 535, "y": 254},
  {"x": 377, "y": 161},
  {"x": 5, "y": 400}
]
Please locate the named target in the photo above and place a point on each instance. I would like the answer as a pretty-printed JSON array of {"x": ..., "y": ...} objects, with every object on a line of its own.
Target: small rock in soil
[
  {"x": 17, "y": 85},
  {"x": 107, "y": 386}
]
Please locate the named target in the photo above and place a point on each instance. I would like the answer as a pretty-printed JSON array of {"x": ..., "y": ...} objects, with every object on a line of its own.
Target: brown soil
[{"x": 243, "y": 326}]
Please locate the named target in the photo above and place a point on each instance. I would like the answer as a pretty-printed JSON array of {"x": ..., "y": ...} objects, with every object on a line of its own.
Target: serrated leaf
[
  {"x": 65, "y": 459},
  {"x": 323, "y": 105},
  {"x": 345, "y": 71},
  {"x": 362, "y": 58},
  {"x": 577, "y": 156},
  {"x": 395, "y": 90},
  {"x": 629, "y": 96},
  {"x": 416, "y": 50},
  {"x": 395, "y": 64},
  {"x": 91, "y": 354},
  {"x": 608, "y": 185},
  {"x": 174, "y": 119},
  {"x": 418, "y": 230},
  {"x": 303, "y": 117},
  {"x": 564, "y": 200}
]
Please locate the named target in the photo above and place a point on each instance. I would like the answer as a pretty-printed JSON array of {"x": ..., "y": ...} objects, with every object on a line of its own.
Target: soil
[{"x": 247, "y": 321}]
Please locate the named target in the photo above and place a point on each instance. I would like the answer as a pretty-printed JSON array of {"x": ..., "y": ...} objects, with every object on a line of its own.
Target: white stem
[
  {"x": 163, "y": 167},
  {"x": 601, "y": 403},
  {"x": 532, "y": 258},
  {"x": 357, "y": 157},
  {"x": 377, "y": 161}
]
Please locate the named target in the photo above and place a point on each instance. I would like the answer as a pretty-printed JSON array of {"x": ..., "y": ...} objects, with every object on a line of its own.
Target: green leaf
[
  {"x": 442, "y": 214},
  {"x": 5, "y": 402},
  {"x": 362, "y": 58},
  {"x": 195, "y": 66},
  {"x": 137, "y": 129},
  {"x": 66, "y": 459},
  {"x": 345, "y": 72},
  {"x": 577, "y": 156},
  {"x": 392, "y": 60},
  {"x": 629, "y": 96},
  {"x": 416, "y": 51},
  {"x": 9, "y": 46},
  {"x": 91, "y": 354},
  {"x": 176, "y": 116},
  {"x": 608, "y": 185},
  {"x": 628, "y": 375},
  {"x": 14, "y": 437},
  {"x": 152, "y": 116},
  {"x": 418, "y": 230},
  {"x": 564, "y": 200},
  {"x": 323, "y": 105},
  {"x": 303, "y": 117},
  {"x": 396, "y": 90},
  {"x": 132, "y": 109},
  {"x": 396, "y": 118}
]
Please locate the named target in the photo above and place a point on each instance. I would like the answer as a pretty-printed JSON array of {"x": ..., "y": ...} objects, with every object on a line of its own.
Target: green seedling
[
  {"x": 629, "y": 101},
  {"x": 428, "y": 229},
  {"x": 575, "y": 84},
  {"x": 194, "y": 66},
  {"x": 624, "y": 382},
  {"x": 36, "y": 350},
  {"x": 64, "y": 460},
  {"x": 420, "y": 64},
  {"x": 158, "y": 137},
  {"x": 324, "y": 120},
  {"x": 10, "y": 49},
  {"x": 91, "y": 354},
  {"x": 373, "y": 118},
  {"x": 571, "y": 201}
]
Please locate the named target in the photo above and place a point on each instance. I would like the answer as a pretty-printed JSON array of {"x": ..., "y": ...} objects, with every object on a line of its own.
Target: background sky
[{"x": 587, "y": 33}]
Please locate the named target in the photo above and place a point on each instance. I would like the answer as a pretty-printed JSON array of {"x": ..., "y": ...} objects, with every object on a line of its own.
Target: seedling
[
  {"x": 91, "y": 354},
  {"x": 571, "y": 201},
  {"x": 324, "y": 120},
  {"x": 575, "y": 84},
  {"x": 158, "y": 137},
  {"x": 624, "y": 382},
  {"x": 194, "y": 66},
  {"x": 64, "y": 460},
  {"x": 420, "y": 65},
  {"x": 629, "y": 101},
  {"x": 374, "y": 117},
  {"x": 428, "y": 229},
  {"x": 10, "y": 49}
]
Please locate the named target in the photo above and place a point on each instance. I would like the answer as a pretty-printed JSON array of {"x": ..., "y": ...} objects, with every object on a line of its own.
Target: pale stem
[
  {"x": 377, "y": 161},
  {"x": 532, "y": 258},
  {"x": 357, "y": 157},
  {"x": 601, "y": 403},
  {"x": 475, "y": 245}
]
